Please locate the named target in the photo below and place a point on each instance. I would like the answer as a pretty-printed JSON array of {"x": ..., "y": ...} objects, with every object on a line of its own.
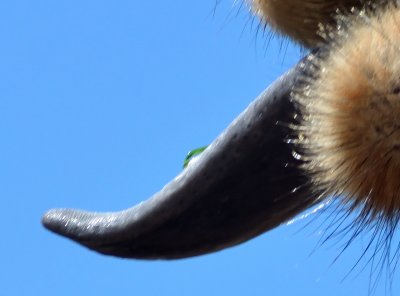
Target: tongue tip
[
  {"x": 64, "y": 222},
  {"x": 53, "y": 219}
]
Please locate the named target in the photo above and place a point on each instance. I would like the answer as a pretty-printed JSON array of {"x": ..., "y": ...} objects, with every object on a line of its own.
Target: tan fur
[
  {"x": 350, "y": 131},
  {"x": 300, "y": 19}
]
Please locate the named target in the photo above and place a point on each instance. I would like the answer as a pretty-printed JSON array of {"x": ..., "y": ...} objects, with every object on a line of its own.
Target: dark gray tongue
[{"x": 245, "y": 183}]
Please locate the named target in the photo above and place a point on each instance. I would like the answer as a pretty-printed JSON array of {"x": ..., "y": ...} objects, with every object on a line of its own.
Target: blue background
[{"x": 99, "y": 103}]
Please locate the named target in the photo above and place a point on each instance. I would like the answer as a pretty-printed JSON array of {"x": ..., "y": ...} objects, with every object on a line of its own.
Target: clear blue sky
[{"x": 99, "y": 103}]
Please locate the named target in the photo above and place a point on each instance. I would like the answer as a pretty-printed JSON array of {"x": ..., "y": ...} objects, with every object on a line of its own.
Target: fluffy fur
[
  {"x": 349, "y": 130},
  {"x": 301, "y": 19}
]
